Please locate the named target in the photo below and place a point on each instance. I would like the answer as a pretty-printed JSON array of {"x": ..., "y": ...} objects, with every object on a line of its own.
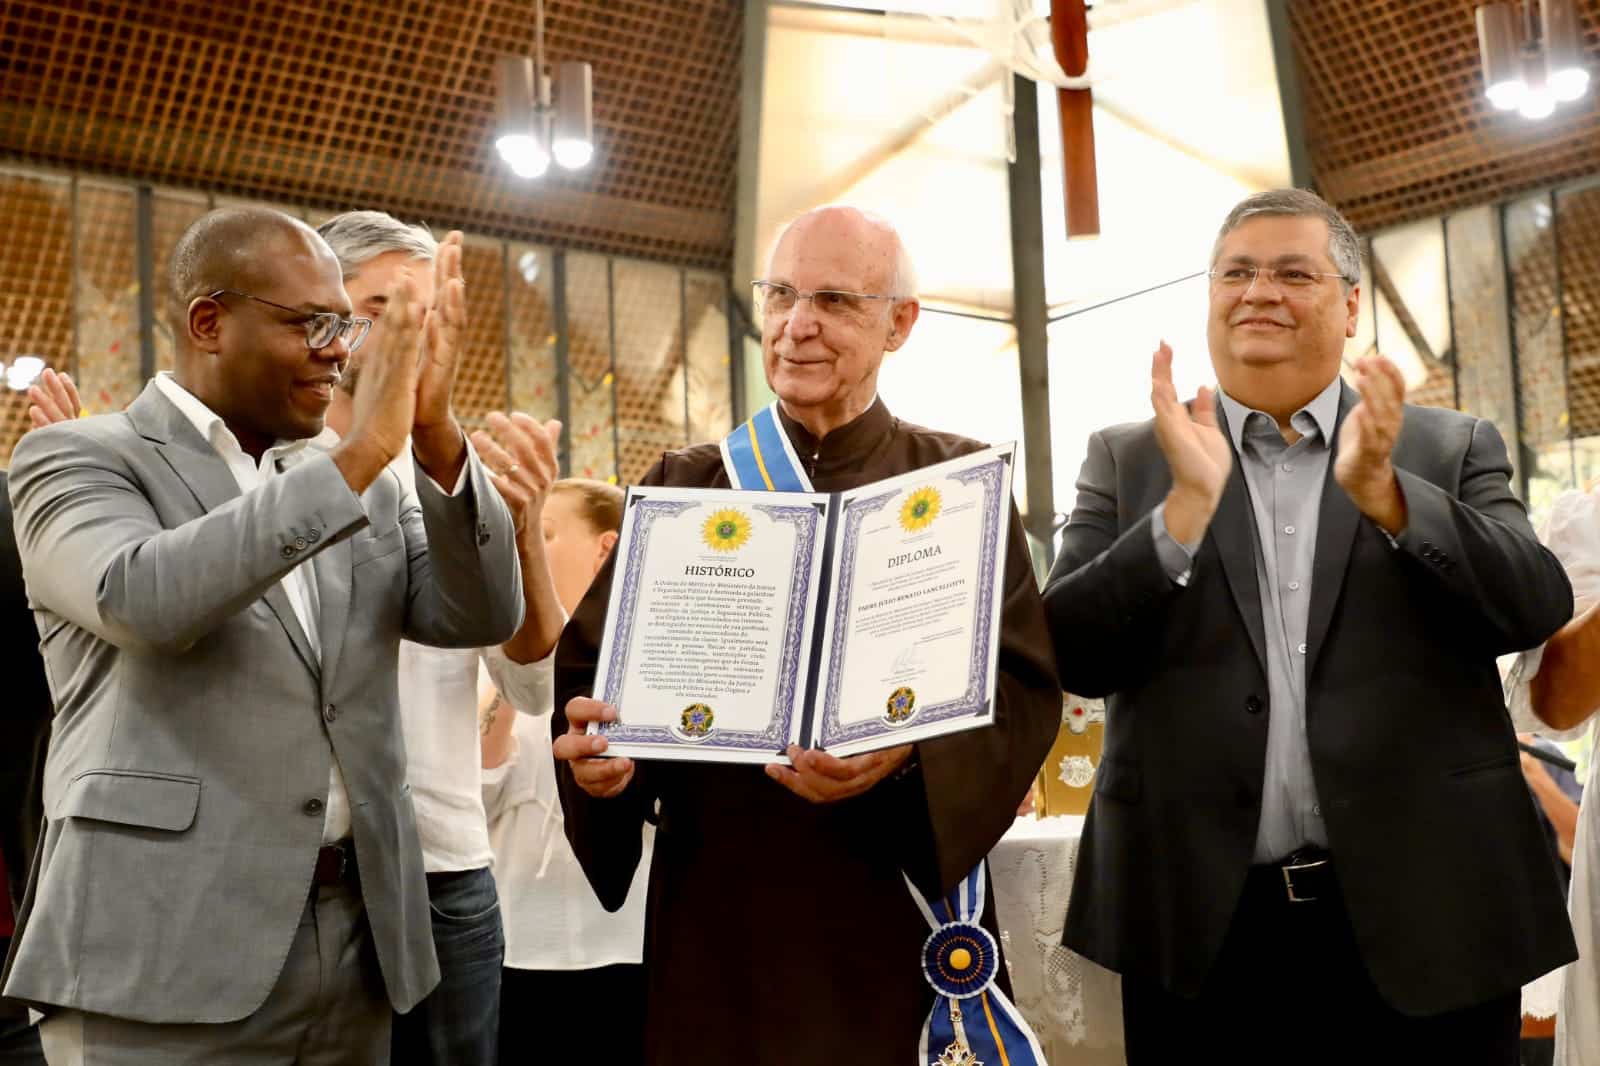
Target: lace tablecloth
[{"x": 1074, "y": 1006}]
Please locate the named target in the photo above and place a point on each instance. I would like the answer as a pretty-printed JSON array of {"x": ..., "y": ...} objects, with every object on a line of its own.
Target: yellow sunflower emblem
[
  {"x": 726, "y": 531},
  {"x": 920, "y": 509}
]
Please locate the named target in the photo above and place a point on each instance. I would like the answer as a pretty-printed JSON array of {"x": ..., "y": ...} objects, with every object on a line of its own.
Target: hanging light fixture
[
  {"x": 1533, "y": 68},
  {"x": 530, "y": 129},
  {"x": 1565, "y": 73},
  {"x": 573, "y": 143},
  {"x": 1501, "y": 53},
  {"x": 521, "y": 134}
]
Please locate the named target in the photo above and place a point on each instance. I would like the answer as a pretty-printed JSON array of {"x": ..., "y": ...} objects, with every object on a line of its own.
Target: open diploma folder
[{"x": 742, "y": 622}]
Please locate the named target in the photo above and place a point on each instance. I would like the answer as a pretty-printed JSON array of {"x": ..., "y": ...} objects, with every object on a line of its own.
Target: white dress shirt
[
  {"x": 439, "y": 718},
  {"x": 552, "y": 918},
  {"x": 299, "y": 584}
]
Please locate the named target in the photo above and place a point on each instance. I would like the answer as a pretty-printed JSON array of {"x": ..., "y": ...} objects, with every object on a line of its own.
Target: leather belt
[
  {"x": 336, "y": 864},
  {"x": 1307, "y": 876}
]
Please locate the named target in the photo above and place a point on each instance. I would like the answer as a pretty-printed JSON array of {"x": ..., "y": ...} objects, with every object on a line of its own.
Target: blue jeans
[{"x": 458, "y": 1024}]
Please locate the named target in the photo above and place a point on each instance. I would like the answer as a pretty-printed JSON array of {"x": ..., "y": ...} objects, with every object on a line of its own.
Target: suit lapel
[
  {"x": 1233, "y": 534},
  {"x": 1337, "y": 521},
  {"x": 278, "y": 600},
  {"x": 333, "y": 571},
  {"x": 208, "y": 479}
]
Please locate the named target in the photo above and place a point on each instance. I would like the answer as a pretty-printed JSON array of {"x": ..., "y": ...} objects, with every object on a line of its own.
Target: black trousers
[
  {"x": 1289, "y": 986},
  {"x": 543, "y": 1016}
]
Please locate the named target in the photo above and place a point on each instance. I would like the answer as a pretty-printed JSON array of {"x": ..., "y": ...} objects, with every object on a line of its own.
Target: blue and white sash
[
  {"x": 972, "y": 1023},
  {"x": 759, "y": 457}
]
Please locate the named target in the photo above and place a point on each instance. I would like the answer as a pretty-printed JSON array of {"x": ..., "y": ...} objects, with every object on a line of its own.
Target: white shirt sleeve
[
  {"x": 530, "y": 688},
  {"x": 1572, "y": 532}
]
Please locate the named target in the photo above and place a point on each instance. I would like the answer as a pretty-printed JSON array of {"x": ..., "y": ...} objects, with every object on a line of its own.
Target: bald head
[
  {"x": 239, "y": 248},
  {"x": 866, "y": 239},
  {"x": 246, "y": 355},
  {"x": 821, "y": 350}
]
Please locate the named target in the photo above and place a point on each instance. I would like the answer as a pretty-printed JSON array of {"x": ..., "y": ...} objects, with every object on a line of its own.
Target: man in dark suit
[
  {"x": 1309, "y": 840},
  {"x": 22, "y": 743}
]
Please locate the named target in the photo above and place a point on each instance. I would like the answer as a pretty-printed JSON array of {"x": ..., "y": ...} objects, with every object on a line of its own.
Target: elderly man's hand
[
  {"x": 53, "y": 398},
  {"x": 822, "y": 778},
  {"x": 600, "y": 778},
  {"x": 1366, "y": 444}
]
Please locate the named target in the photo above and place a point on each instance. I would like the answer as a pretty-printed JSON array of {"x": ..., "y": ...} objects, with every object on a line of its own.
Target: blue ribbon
[
  {"x": 960, "y": 958},
  {"x": 759, "y": 457}
]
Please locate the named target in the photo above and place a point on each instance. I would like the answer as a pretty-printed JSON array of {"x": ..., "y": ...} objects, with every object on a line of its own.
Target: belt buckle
[{"x": 1289, "y": 870}]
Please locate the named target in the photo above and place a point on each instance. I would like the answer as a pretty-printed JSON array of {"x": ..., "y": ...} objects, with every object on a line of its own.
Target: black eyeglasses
[{"x": 322, "y": 327}]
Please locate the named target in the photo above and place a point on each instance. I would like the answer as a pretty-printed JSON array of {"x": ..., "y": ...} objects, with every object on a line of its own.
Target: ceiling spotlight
[
  {"x": 573, "y": 142},
  {"x": 1565, "y": 73},
  {"x": 1502, "y": 56},
  {"x": 1532, "y": 69},
  {"x": 530, "y": 129},
  {"x": 520, "y": 127}
]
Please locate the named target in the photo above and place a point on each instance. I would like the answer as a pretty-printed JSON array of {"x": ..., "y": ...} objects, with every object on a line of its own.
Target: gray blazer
[{"x": 194, "y": 726}]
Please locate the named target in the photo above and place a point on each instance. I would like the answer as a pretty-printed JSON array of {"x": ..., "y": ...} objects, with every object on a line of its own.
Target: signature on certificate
[{"x": 909, "y": 659}]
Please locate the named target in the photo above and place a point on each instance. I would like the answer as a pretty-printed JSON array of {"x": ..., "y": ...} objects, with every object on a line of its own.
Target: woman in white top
[
  {"x": 564, "y": 952},
  {"x": 1556, "y": 690}
]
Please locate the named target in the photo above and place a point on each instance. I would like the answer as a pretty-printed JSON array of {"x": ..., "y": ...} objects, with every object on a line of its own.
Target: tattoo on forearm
[{"x": 486, "y": 723}]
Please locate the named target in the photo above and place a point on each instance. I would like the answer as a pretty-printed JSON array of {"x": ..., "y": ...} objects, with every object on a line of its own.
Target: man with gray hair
[
  {"x": 458, "y": 1023},
  {"x": 779, "y": 927},
  {"x": 1309, "y": 839}
]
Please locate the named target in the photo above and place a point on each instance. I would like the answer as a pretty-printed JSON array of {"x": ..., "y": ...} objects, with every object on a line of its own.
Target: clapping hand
[
  {"x": 520, "y": 456},
  {"x": 385, "y": 399},
  {"x": 440, "y": 445},
  {"x": 53, "y": 398},
  {"x": 1196, "y": 451},
  {"x": 1364, "y": 466}
]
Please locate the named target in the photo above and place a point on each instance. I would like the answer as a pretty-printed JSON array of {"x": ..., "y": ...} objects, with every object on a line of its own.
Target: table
[{"x": 1074, "y": 1005}]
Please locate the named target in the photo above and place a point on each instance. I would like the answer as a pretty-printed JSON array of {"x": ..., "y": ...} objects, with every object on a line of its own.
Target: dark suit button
[
  {"x": 1253, "y": 704},
  {"x": 329, "y": 713},
  {"x": 287, "y": 551},
  {"x": 300, "y": 544},
  {"x": 313, "y": 806},
  {"x": 1427, "y": 546},
  {"x": 314, "y": 536},
  {"x": 483, "y": 537}
]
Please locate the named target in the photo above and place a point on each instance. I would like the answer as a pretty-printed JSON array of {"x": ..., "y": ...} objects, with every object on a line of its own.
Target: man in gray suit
[{"x": 230, "y": 869}]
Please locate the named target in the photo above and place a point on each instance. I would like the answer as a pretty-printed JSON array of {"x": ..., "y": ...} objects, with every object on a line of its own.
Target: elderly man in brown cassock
[{"x": 779, "y": 927}]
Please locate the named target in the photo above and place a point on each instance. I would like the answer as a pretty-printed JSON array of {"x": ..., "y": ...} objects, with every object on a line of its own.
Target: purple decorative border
[
  {"x": 830, "y": 732},
  {"x": 776, "y": 736}
]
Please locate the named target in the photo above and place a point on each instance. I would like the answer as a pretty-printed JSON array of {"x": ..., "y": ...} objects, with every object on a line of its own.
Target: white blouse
[
  {"x": 552, "y": 919},
  {"x": 1573, "y": 533}
]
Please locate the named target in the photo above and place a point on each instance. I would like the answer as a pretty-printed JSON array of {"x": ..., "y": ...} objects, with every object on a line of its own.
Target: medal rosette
[{"x": 972, "y": 1022}]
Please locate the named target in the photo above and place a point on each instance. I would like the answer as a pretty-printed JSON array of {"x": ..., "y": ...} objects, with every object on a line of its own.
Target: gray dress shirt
[{"x": 1285, "y": 483}]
